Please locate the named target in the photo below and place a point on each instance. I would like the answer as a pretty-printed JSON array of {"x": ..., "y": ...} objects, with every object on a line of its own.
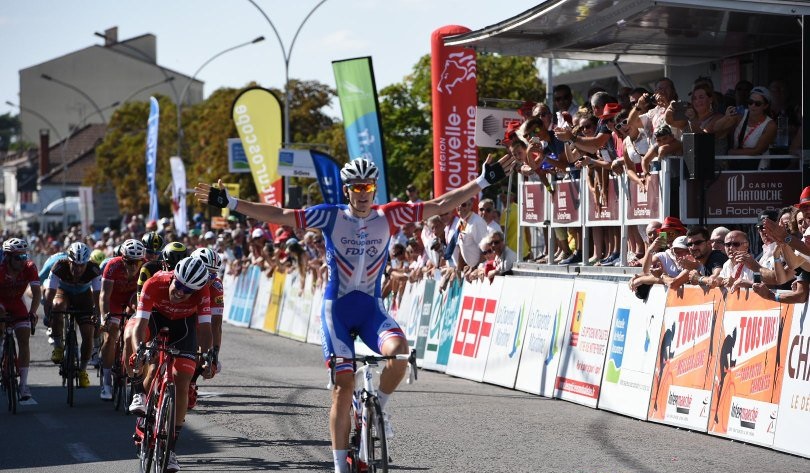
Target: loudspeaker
[{"x": 698, "y": 155}]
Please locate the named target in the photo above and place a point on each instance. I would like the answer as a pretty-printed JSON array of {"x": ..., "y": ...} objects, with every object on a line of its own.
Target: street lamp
[
  {"x": 190, "y": 81},
  {"x": 287, "y": 54},
  {"x": 36, "y": 114},
  {"x": 80, "y": 91},
  {"x": 147, "y": 87}
]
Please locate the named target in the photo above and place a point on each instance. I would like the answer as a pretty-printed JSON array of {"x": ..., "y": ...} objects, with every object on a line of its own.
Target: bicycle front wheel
[
  {"x": 376, "y": 443},
  {"x": 164, "y": 428},
  {"x": 71, "y": 367},
  {"x": 10, "y": 375},
  {"x": 146, "y": 449}
]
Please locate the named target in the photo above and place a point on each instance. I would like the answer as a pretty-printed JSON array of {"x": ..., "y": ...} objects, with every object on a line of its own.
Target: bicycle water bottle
[{"x": 782, "y": 130}]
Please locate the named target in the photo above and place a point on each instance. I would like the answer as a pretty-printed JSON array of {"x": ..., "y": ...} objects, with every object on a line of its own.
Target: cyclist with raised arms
[
  {"x": 75, "y": 284},
  {"x": 214, "y": 263},
  {"x": 357, "y": 237},
  {"x": 178, "y": 300},
  {"x": 119, "y": 283},
  {"x": 17, "y": 272}
]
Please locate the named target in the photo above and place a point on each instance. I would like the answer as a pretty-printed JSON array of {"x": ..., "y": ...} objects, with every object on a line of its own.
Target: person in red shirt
[
  {"x": 181, "y": 301},
  {"x": 214, "y": 264},
  {"x": 118, "y": 286},
  {"x": 17, "y": 273}
]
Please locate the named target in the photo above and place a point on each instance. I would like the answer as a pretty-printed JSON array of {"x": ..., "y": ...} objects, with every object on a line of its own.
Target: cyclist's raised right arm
[{"x": 263, "y": 212}]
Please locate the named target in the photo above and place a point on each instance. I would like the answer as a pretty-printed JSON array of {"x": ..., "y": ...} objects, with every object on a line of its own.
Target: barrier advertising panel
[
  {"x": 442, "y": 326},
  {"x": 644, "y": 207},
  {"x": 424, "y": 318},
  {"x": 565, "y": 204},
  {"x": 533, "y": 212},
  {"x": 631, "y": 355},
  {"x": 747, "y": 377},
  {"x": 294, "y": 311},
  {"x": 682, "y": 383},
  {"x": 229, "y": 286},
  {"x": 262, "y": 301},
  {"x": 314, "y": 327},
  {"x": 274, "y": 307},
  {"x": 605, "y": 213},
  {"x": 585, "y": 342},
  {"x": 410, "y": 310},
  {"x": 507, "y": 332},
  {"x": 547, "y": 317},
  {"x": 794, "y": 402},
  {"x": 247, "y": 285},
  {"x": 473, "y": 332}
]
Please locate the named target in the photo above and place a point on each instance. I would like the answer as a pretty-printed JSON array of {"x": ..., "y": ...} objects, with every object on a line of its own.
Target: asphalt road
[{"x": 268, "y": 411}]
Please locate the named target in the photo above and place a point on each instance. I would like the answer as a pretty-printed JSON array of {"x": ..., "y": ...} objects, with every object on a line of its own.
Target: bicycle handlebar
[
  {"x": 8, "y": 318},
  {"x": 334, "y": 360}
]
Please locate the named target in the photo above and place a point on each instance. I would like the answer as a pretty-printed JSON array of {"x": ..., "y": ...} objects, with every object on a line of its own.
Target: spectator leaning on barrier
[
  {"x": 664, "y": 266},
  {"x": 705, "y": 263},
  {"x": 473, "y": 229},
  {"x": 737, "y": 271},
  {"x": 486, "y": 209},
  {"x": 505, "y": 258}
]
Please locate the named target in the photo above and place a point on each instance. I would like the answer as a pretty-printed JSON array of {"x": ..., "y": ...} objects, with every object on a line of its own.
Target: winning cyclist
[
  {"x": 178, "y": 300},
  {"x": 76, "y": 282},
  {"x": 118, "y": 285},
  {"x": 17, "y": 273},
  {"x": 357, "y": 237},
  {"x": 214, "y": 263}
]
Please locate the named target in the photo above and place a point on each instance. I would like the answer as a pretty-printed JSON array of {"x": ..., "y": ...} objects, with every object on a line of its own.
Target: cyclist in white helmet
[
  {"x": 17, "y": 272},
  {"x": 357, "y": 237},
  {"x": 214, "y": 263},
  {"x": 76, "y": 282}
]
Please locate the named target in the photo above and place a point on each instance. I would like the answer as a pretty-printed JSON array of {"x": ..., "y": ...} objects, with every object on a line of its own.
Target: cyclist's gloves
[
  {"x": 220, "y": 198},
  {"x": 492, "y": 173}
]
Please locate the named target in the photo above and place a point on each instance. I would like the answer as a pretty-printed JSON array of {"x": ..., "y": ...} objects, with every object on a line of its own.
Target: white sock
[
  {"x": 341, "y": 463},
  {"x": 24, "y": 376},
  {"x": 107, "y": 372},
  {"x": 383, "y": 399}
]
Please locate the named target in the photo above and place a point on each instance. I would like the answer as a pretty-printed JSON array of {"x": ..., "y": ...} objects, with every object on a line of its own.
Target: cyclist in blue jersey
[
  {"x": 357, "y": 237},
  {"x": 45, "y": 271}
]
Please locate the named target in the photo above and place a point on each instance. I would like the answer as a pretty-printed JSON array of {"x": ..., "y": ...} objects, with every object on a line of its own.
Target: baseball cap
[
  {"x": 209, "y": 235},
  {"x": 257, "y": 233},
  {"x": 680, "y": 242}
]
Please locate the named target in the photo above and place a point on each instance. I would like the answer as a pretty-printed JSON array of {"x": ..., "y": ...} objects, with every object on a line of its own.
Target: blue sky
[{"x": 394, "y": 32}]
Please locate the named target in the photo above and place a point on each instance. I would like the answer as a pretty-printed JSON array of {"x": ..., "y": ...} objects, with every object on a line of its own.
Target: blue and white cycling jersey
[
  {"x": 357, "y": 248},
  {"x": 46, "y": 268}
]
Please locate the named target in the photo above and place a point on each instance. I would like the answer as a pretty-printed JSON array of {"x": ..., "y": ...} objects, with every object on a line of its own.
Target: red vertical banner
[{"x": 455, "y": 98}]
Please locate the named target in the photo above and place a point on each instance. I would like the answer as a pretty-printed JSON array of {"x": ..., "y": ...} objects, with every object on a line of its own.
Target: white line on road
[
  {"x": 50, "y": 422},
  {"x": 81, "y": 453}
]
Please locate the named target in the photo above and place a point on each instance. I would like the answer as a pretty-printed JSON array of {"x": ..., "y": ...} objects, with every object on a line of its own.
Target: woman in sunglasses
[
  {"x": 754, "y": 130},
  {"x": 357, "y": 237},
  {"x": 17, "y": 272},
  {"x": 701, "y": 117}
]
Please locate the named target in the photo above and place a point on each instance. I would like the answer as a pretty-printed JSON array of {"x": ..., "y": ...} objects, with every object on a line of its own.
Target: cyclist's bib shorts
[
  {"x": 182, "y": 335},
  {"x": 79, "y": 301},
  {"x": 356, "y": 312}
]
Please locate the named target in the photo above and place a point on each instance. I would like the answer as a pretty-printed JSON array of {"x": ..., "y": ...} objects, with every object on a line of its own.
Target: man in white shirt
[
  {"x": 735, "y": 272},
  {"x": 472, "y": 229},
  {"x": 505, "y": 258},
  {"x": 486, "y": 209}
]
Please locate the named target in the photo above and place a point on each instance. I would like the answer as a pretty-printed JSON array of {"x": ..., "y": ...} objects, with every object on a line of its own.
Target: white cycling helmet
[
  {"x": 79, "y": 253},
  {"x": 191, "y": 272},
  {"x": 133, "y": 249},
  {"x": 360, "y": 168},
  {"x": 15, "y": 245},
  {"x": 209, "y": 257}
]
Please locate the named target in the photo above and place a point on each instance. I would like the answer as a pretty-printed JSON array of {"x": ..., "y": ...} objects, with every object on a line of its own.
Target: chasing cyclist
[
  {"x": 75, "y": 283},
  {"x": 357, "y": 237},
  {"x": 118, "y": 286},
  {"x": 17, "y": 272},
  {"x": 214, "y": 263},
  {"x": 178, "y": 300}
]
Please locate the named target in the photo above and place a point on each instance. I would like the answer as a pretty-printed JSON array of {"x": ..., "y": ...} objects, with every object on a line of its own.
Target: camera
[{"x": 651, "y": 101}]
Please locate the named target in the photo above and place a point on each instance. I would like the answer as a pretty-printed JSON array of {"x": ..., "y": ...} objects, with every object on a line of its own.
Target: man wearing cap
[
  {"x": 667, "y": 262},
  {"x": 210, "y": 238},
  {"x": 705, "y": 263}
]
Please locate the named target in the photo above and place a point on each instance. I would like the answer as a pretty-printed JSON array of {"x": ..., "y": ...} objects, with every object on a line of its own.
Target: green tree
[{"x": 9, "y": 130}]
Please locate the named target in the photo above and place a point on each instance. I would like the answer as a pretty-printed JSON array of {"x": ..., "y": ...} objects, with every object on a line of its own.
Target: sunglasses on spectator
[
  {"x": 756, "y": 102},
  {"x": 621, "y": 125},
  {"x": 695, "y": 243},
  {"x": 485, "y": 209},
  {"x": 362, "y": 187},
  {"x": 735, "y": 244},
  {"x": 488, "y": 252},
  {"x": 182, "y": 288},
  {"x": 496, "y": 242},
  {"x": 716, "y": 241}
]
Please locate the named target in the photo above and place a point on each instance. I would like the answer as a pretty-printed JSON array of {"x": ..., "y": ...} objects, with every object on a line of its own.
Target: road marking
[
  {"x": 206, "y": 394},
  {"x": 81, "y": 453},
  {"x": 50, "y": 422}
]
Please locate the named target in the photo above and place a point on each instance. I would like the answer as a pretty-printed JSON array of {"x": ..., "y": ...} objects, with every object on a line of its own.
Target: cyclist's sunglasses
[
  {"x": 183, "y": 288},
  {"x": 362, "y": 187},
  {"x": 19, "y": 256},
  {"x": 212, "y": 275}
]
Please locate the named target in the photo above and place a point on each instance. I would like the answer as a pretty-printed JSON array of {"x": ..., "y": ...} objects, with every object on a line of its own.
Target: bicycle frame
[
  {"x": 69, "y": 368},
  {"x": 121, "y": 390},
  {"x": 9, "y": 365}
]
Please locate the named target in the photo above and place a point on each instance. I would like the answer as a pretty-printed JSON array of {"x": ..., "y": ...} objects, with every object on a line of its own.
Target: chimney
[
  {"x": 111, "y": 36},
  {"x": 44, "y": 151}
]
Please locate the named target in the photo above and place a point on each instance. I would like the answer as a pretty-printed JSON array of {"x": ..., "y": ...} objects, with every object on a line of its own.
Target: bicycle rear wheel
[
  {"x": 119, "y": 379},
  {"x": 376, "y": 443},
  {"x": 164, "y": 427},
  {"x": 10, "y": 375}
]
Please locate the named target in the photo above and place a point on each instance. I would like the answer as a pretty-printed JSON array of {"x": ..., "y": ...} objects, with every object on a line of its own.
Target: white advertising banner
[
  {"x": 296, "y": 163},
  {"x": 585, "y": 342},
  {"x": 179, "y": 195},
  {"x": 508, "y": 330},
  {"x": 491, "y": 124},
  {"x": 632, "y": 350},
  {"x": 794, "y": 401},
  {"x": 294, "y": 311},
  {"x": 229, "y": 286},
  {"x": 547, "y": 317},
  {"x": 86, "y": 209},
  {"x": 262, "y": 301},
  {"x": 314, "y": 327},
  {"x": 473, "y": 333},
  {"x": 410, "y": 316}
]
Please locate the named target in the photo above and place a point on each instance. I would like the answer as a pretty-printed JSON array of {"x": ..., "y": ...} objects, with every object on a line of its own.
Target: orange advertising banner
[
  {"x": 751, "y": 349},
  {"x": 682, "y": 383}
]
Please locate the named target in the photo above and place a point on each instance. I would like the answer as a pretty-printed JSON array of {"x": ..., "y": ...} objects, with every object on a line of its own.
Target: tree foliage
[{"x": 9, "y": 130}]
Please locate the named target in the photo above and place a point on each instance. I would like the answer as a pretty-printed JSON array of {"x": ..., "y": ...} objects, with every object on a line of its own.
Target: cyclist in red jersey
[
  {"x": 118, "y": 285},
  {"x": 214, "y": 263},
  {"x": 17, "y": 273},
  {"x": 178, "y": 300}
]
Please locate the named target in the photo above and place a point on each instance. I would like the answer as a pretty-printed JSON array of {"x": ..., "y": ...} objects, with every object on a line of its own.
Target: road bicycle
[
  {"x": 121, "y": 386},
  {"x": 368, "y": 447},
  {"x": 69, "y": 368},
  {"x": 8, "y": 371},
  {"x": 154, "y": 433}
]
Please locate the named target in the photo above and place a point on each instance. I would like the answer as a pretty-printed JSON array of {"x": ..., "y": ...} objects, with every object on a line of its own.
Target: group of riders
[{"x": 144, "y": 287}]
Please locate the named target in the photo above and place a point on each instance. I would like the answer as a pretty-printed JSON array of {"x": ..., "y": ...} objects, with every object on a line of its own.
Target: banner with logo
[
  {"x": 258, "y": 118},
  {"x": 151, "y": 157},
  {"x": 585, "y": 342},
  {"x": 442, "y": 325},
  {"x": 628, "y": 374},
  {"x": 408, "y": 311},
  {"x": 643, "y": 207},
  {"x": 533, "y": 210},
  {"x": 274, "y": 306},
  {"x": 314, "y": 329},
  {"x": 294, "y": 316},
  {"x": 794, "y": 400},
  {"x": 228, "y": 285},
  {"x": 261, "y": 303},
  {"x": 491, "y": 125},
  {"x": 455, "y": 99},
  {"x": 357, "y": 93},
  {"x": 86, "y": 209},
  {"x": 508, "y": 330},
  {"x": 473, "y": 332},
  {"x": 748, "y": 376},
  {"x": 605, "y": 211},
  {"x": 740, "y": 196},
  {"x": 565, "y": 204},
  {"x": 247, "y": 285},
  {"x": 237, "y": 159},
  {"x": 424, "y": 318},
  {"x": 684, "y": 370},
  {"x": 179, "y": 207},
  {"x": 547, "y": 317},
  {"x": 327, "y": 170}
]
